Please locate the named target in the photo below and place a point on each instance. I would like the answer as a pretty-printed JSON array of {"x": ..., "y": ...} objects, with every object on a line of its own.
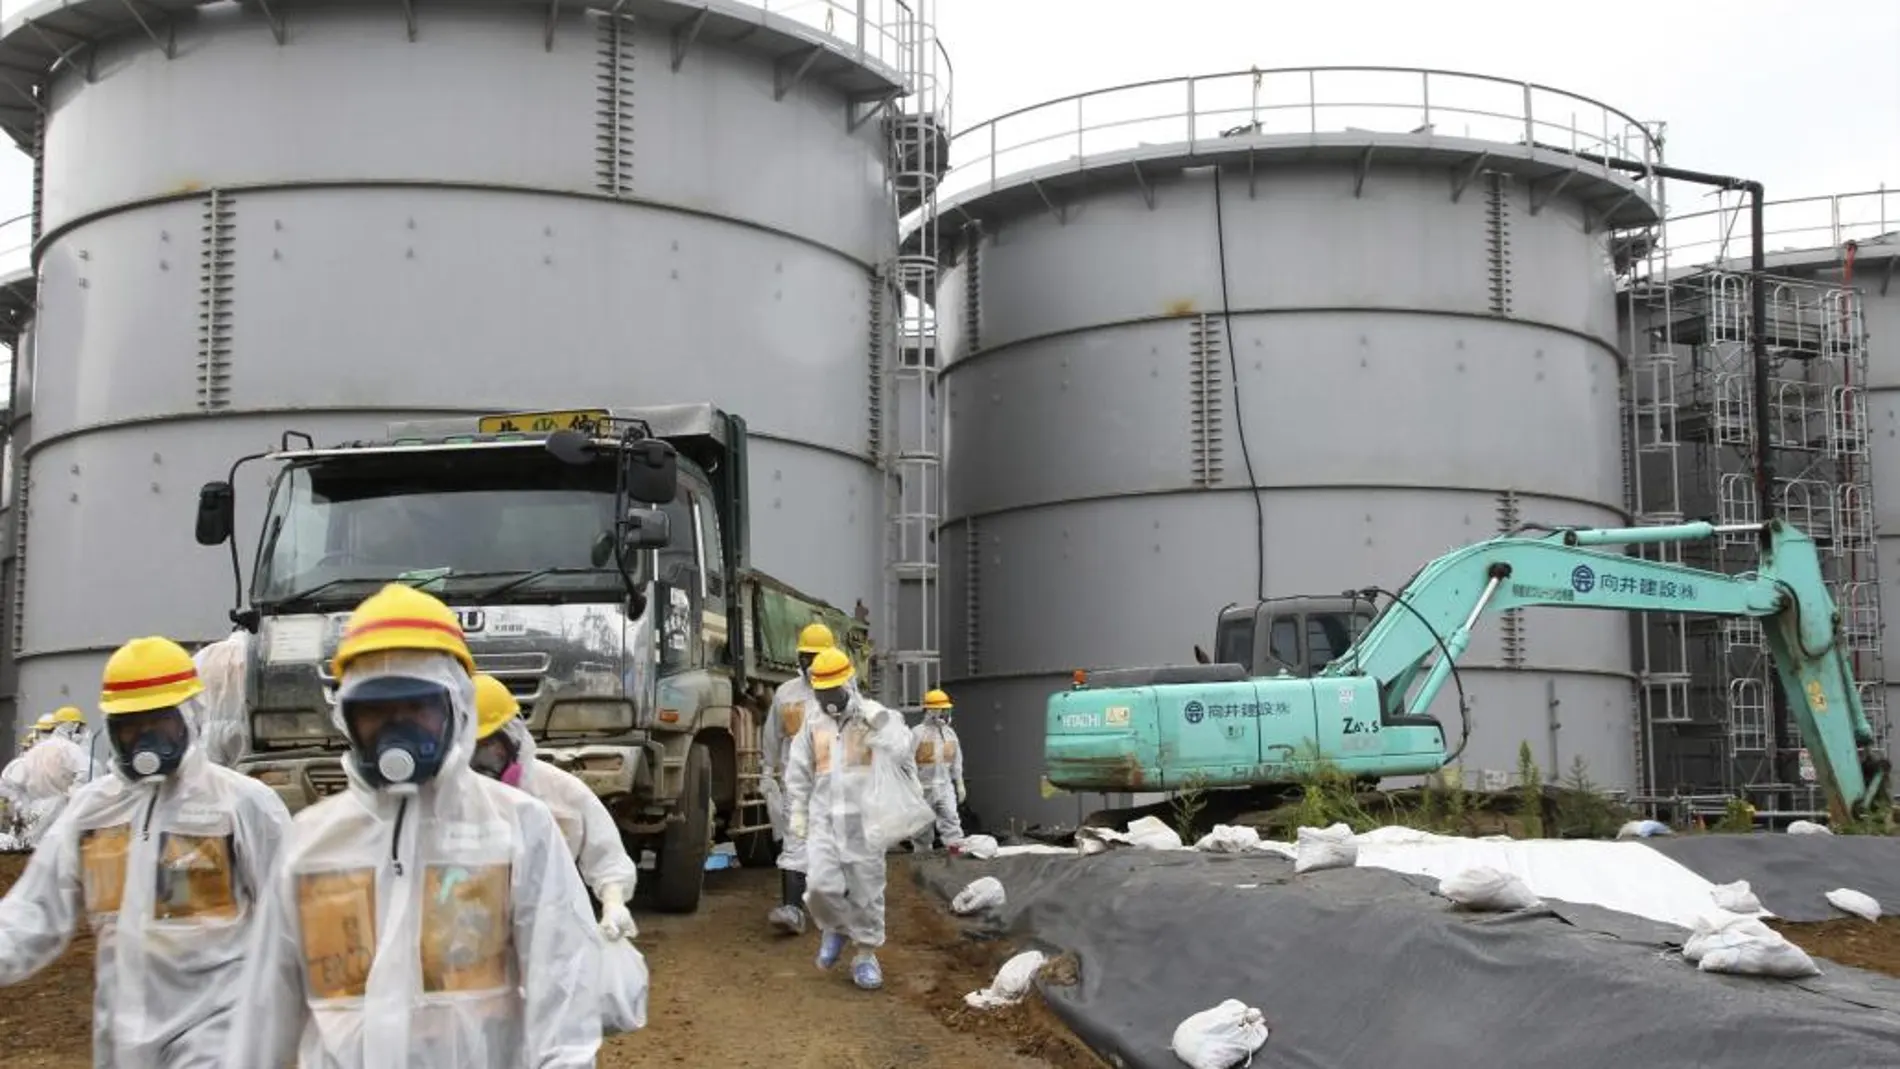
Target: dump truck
[
  {"x": 1365, "y": 710},
  {"x": 598, "y": 560}
]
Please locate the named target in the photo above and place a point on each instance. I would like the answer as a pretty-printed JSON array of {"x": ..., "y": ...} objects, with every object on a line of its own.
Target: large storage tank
[
  {"x": 326, "y": 216},
  {"x": 1418, "y": 307}
]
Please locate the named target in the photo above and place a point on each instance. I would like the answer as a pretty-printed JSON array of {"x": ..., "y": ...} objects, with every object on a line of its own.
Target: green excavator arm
[{"x": 1437, "y": 610}]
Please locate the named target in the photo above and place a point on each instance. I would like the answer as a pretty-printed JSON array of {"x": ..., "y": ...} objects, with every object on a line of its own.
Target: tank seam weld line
[
  {"x": 1485, "y": 317},
  {"x": 34, "y": 445},
  {"x": 1488, "y": 491},
  {"x": 438, "y": 184},
  {"x": 1529, "y": 670}
]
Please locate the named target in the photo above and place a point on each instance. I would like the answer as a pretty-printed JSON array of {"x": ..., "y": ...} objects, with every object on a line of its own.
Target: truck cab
[{"x": 597, "y": 560}]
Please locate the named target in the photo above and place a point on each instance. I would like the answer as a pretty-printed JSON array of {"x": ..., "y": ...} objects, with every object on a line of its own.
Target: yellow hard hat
[
  {"x": 147, "y": 674},
  {"x": 495, "y": 705},
  {"x": 400, "y": 617},
  {"x": 44, "y": 723},
  {"x": 936, "y": 699},
  {"x": 67, "y": 714},
  {"x": 830, "y": 669},
  {"x": 815, "y": 638}
]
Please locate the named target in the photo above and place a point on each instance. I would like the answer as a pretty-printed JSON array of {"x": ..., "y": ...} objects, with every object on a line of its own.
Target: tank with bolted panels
[
  {"x": 1416, "y": 301},
  {"x": 327, "y": 217}
]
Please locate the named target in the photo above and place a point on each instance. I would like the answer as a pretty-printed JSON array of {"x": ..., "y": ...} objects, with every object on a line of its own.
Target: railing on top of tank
[
  {"x": 1794, "y": 224},
  {"x": 875, "y": 30},
  {"x": 1287, "y": 101},
  {"x": 16, "y": 244}
]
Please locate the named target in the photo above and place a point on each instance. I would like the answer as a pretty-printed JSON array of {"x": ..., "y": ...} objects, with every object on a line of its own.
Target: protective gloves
[
  {"x": 961, "y": 793},
  {"x": 615, "y": 921},
  {"x": 800, "y": 821}
]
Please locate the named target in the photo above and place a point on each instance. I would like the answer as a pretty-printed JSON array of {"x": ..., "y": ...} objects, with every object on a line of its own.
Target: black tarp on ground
[
  {"x": 1792, "y": 874},
  {"x": 1366, "y": 969}
]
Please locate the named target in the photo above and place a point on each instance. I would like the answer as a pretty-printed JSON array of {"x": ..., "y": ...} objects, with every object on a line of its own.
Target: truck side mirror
[
  {"x": 647, "y": 529},
  {"x": 217, "y": 513},
  {"x": 570, "y": 447},
  {"x": 652, "y": 472}
]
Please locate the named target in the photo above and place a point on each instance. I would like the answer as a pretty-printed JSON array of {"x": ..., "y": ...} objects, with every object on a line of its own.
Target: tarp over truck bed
[{"x": 1362, "y": 968}]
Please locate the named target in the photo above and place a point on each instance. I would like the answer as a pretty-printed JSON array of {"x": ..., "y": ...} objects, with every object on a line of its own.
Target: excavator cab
[{"x": 1290, "y": 636}]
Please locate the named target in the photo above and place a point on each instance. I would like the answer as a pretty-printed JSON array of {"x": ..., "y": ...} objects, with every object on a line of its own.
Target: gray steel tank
[
  {"x": 1416, "y": 297},
  {"x": 328, "y": 216}
]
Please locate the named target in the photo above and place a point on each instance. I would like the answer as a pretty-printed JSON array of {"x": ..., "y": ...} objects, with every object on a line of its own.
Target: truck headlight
[
  {"x": 590, "y": 716},
  {"x": 277, "y": 727}
]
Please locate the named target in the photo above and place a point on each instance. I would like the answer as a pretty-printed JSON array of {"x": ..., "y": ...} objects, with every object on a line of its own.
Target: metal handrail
[
  {"x": 1792, "y": 224},
  {"x": 1192, "y": 110},
  {"x": 16, "y": 244},
  {"x": 870, "y": 29}
]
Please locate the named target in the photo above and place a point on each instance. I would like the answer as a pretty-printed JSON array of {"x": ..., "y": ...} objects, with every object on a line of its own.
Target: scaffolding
[
  {"x": 911, "y": 456},
  {"x": 1709, "y": 704}
]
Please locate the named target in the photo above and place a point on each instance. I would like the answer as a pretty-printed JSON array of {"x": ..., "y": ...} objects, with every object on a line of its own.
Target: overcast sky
[{"x": 1804, "y": 97}]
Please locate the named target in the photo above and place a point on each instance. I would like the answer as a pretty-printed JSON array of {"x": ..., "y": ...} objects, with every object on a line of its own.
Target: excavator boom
[{"x": 1160, "y": 714}]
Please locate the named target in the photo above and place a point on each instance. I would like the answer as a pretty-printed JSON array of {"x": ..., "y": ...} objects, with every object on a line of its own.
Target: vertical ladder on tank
[
  {"x": 1653, "y": 452},
  {"x": 919, "y": 149}
]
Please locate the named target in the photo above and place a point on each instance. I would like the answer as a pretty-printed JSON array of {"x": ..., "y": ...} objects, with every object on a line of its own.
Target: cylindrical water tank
[
  {"x": 328, "y": 216},
  {"x": 1422, "y": 330}
]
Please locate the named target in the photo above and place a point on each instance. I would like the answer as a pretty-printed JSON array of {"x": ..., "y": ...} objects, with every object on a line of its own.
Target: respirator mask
[
  {"x": 835, "y": 701},
  {"x": 151, "y": 743},
  {"x": 399, "y": 728},
  {"x": 804, "y": 665},
  {"x": 499, "y": 758}
]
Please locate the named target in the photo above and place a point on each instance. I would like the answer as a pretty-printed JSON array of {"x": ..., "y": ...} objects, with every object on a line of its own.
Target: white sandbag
[
  {"x": 984, "y": 892},
  {"x": 623, "y": 988},
  {"x": 1808, "y": 827},
  {"x": 1735, "y": 897},
  {"x": 1152, "y": 833},
  {"x": 1326, "y": 848},
  {"x": 1487, "y": 889},
  {"x": 1221, "y": 1038},
  {"x": 981, "y": 847},
  {"x": 1011, "y": 984},
  {"x": 1229, "y": 839},
  {"x": 1643, "y": 829},
  {"x": 1745, "y": 953},
  {"x": 1720, "y": 922},
  {"x": 1859, "y": 904}
]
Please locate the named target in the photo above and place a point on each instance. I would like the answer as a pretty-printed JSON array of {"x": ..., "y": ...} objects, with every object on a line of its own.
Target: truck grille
[{"x": 327, "y": 779}]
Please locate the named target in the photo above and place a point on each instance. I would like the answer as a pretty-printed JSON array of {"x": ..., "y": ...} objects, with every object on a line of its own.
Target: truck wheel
[{"x": 684, "y": 848}]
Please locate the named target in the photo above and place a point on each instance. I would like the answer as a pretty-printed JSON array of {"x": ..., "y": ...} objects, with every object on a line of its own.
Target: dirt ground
[
  {"x": 1849, "y": 941},
  {"x": 726, "y": 992}
]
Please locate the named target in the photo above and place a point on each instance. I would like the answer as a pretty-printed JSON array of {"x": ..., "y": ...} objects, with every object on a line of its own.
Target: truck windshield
[{"x": 489, "y": 526}]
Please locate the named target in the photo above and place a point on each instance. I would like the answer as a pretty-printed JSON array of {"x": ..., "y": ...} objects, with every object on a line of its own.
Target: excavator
[{"x": 1353, "y": 687}]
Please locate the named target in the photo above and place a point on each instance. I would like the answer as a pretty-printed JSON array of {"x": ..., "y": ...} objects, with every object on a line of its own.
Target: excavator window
[
  {"x": 1234, "y": 643},
  {"x": 1283, "y": 645},
  {"x": 1327, "y": 636}
]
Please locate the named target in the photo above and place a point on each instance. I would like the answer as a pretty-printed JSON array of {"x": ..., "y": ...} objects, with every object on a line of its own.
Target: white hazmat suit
[
  {"x": 169, "y": 872},
  {"x": 826, "y": 778},
  {"x": 940, "y": 771},
  {"x": 434, "y": 927},
  {"x": 792, "y": 702},
  {"x": 593, "y": 839}
]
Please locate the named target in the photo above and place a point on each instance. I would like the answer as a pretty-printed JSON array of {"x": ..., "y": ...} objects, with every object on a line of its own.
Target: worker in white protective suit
[
  {"x": 504, "y": 751},
  {"x": 428, "y": 917},
  {"x": 827, "y": 776},
  {"x": 70, "y": 724},
  {"x": 48, "y": 775},
  {"x": 167, "y": 857},
  {"x": 791, "y": 702},
  {"x": 940, "y": 769},
  {"x": 13, "y": 795}
]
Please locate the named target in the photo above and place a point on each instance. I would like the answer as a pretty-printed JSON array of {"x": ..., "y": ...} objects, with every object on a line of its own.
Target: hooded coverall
[{"x": 169, "y": 871}]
